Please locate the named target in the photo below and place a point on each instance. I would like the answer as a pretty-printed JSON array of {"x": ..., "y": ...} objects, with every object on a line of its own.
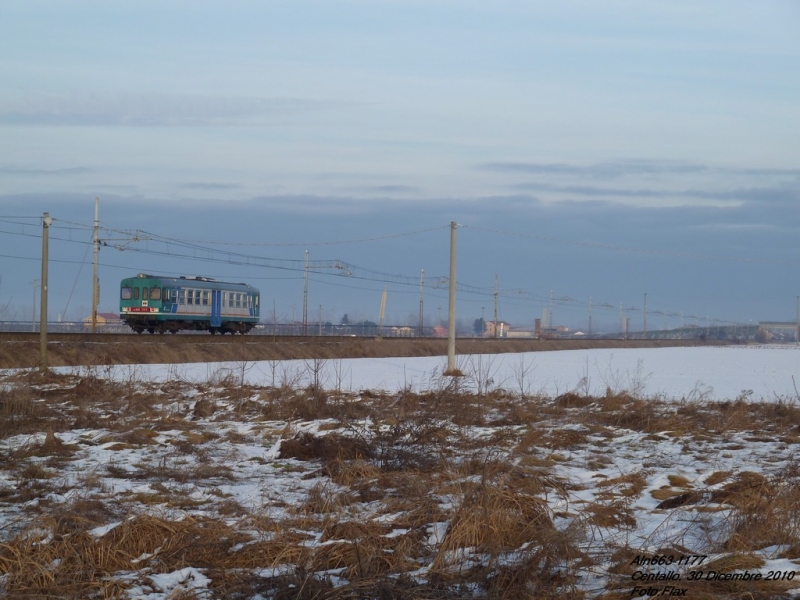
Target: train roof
[{"x": 191, "y": 281}]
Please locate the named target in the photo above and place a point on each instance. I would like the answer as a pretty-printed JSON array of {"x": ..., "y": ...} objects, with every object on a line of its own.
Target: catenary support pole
[
  {"x": 496, "y": 294},
  {"x": 46, "y": 222},
  {"x": 95, "y": 281},
  {"x": 644, "y": 329},
  {"x": 451, "y": 323},
  {"x": 421, "y": 302},
  {"x": 305, "y": 297}
]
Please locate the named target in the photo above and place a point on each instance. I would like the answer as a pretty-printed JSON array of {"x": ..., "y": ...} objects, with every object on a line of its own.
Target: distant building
[
  {"x": 519, "y": 333},
  {"x": 103, "y": 320},
  {"x": 502, "y": 329},
  {"x": 439, "y": 331},
  {"x": 554, "y": 331},
  {"x": 402, "y": 332}
]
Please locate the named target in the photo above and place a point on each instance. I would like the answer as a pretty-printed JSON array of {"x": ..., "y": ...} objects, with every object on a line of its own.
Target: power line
[
  {"x": 209, "y": 251},
  {"x": 191, "y": 242}
]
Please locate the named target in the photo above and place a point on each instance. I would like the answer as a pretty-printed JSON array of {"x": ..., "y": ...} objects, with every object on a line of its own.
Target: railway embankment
[{"x": 23, "y": 351}]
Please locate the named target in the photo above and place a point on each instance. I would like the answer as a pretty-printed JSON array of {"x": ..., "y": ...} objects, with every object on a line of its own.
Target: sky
[{"x": 586, "y": 150}]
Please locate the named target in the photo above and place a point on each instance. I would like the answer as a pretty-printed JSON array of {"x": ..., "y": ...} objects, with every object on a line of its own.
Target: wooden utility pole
[
  {"x": 46, "y": 222},
  {"x": 451, "y": 322}
]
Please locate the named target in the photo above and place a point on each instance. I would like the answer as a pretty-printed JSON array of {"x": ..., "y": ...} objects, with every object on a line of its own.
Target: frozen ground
[{"x": 635, "y": 460}]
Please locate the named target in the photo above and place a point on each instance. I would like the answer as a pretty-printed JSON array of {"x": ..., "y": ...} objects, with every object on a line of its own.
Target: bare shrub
[
  {"x": 16, "y": 403},
  {"x": 327, "y": 448},
  {"x": 316, "y": 373},
  {"x": 522, "y": 373},
  {"x": 527, "y": 556},
  {"x": 766, "y": 513},
  {"x": 482, "y": 372}
]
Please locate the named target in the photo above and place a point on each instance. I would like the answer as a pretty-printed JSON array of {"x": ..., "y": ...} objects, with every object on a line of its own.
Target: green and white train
[{"x": 170, "y": 304}]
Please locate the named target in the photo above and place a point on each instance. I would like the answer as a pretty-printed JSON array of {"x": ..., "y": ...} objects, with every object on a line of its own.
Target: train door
[{"x": 216, "y": 308}]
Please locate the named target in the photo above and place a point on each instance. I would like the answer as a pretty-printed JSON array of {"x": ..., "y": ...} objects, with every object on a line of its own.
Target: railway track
[
  {"x": 181, "y": 338},
  {"x": 22, "y": 350}
]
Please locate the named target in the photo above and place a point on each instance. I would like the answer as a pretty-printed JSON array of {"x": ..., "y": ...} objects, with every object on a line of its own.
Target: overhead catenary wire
[{"x": 213, "y": 251}]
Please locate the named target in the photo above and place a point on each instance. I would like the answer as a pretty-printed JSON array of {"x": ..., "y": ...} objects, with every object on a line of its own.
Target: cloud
[
  {"x": 777, "y": 194},
  {"x": 608, "y": 170},
  {"x": 154, "y": 110},
  {"x": 625, "y": 168},
  {"x": 13, "y": 170},
  {"x": 210, "y": 186},
  {"x": 388, "y": 189}
]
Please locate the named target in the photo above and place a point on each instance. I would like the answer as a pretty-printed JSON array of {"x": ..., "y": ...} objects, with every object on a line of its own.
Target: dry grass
[{"x": 393, "y": 483}]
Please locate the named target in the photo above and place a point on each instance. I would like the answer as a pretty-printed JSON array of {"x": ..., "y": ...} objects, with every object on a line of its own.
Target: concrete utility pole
[
  {"x": 645, "y": 316},
  {"x": 305, "y": 297},
  {"x": 421, "y": 302},
  {"x": 383, "y": 310},
  {"x": 451, "y": 323},
  {"x": 590, "y": 316},
  {"x": 496, "y": 294},
  {"x": 35, "y": 283},
  {"x": 797, "y": 324},
  {"x": 46, "y": 222},
  {"x": 95, "y": 280}
]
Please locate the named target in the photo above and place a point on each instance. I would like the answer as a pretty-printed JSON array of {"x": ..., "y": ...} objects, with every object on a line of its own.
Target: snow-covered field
[
  {"x": 588, "y": 463},
  {"x": 714, "y": 373}
]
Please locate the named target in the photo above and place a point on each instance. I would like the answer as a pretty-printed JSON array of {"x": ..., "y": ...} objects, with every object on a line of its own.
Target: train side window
[
  {"x": 173, "y": 295},
  {"x": 189, "y": 296},
  {"x": 205, "y": 297},
  {"x": 249, "y": 301},
  {"x": 155, "y": 293},
  {"x": 256, "y": 301},
  {"x": 224, "y": 299},
  {"x": 182, "y": 297},
  {"x": 238, "y": 301},
  {"x": 135, "y": 293},
  {"x": 126, "y": 293}
]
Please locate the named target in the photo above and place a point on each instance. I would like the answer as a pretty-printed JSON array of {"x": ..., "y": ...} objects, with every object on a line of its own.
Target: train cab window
[
  {"x": 155, "y": 293},
  {"x": 135, "y": 293},
  {"x": 205, "y": 298},
  {"x": 125, "y": 293},
  {"x": 145, "y": 294},
  {"x": 256, "y": 301},
  {"x": 249, "y": 301}
]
